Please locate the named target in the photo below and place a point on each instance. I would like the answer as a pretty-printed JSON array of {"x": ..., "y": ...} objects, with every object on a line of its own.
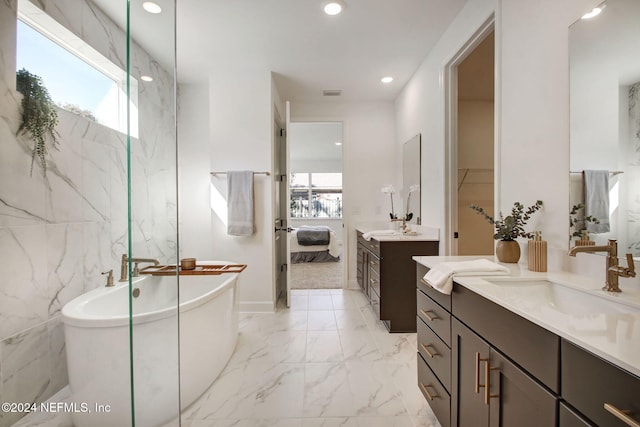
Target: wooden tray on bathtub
[{"x": 201, "y": 269}]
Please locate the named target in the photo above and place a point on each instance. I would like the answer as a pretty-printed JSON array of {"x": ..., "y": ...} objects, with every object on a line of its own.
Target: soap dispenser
[{"x": 537, "y": 250}]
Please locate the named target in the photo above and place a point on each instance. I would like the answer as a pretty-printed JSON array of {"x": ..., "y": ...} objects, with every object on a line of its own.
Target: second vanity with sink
[{"x": 528, "y": 349}]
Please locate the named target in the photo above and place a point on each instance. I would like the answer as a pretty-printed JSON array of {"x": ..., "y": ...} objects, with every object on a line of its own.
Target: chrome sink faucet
[
  {"x": 124, "y": 266},
  {"x": 614, "y": 271}
]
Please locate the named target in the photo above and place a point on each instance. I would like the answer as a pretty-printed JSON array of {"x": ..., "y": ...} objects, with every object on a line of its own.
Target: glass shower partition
[{"x": 152, "y": 222}]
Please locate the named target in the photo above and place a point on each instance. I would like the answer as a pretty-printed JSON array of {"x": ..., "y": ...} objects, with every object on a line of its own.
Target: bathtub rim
[{"x": 72, "y": 313}]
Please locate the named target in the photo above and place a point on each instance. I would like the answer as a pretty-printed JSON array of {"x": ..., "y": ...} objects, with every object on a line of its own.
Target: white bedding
[{"x": 333, "y": 247}]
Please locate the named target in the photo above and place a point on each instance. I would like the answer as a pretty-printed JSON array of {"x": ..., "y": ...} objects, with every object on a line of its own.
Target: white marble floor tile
[
  {"x": 323, "y": 346},
  {"x": 276, "y": 347},
  {"x": 359, "y": 345},
  {"x": 326, "y": 391},
  {"x": 273, "y": 422},
  {"x": 373, "y": 390},
  {"x": 350, "y": 319},
  {"x": 394, "y": 347},
  {"x": 320, "y": 302},
  {"x": 313, "y": 292},
  {"x": 399, "y": 421},
  {"x": 330, "y": 422},
  {"x": 299, "y": 291},
  {"x": 299, "y": 302},
  {"x": 321, "y": 320},
  {"x": 288, "y": 320},
  {"x": 343, "y": 301},
  {"x": 428, "y": 420}
]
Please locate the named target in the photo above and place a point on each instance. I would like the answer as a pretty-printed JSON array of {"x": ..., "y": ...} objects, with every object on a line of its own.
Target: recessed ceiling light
[
  {"x": 151, "y": 7},
  {"x": 333, "y": 7},
  {"x": 146, "y": 78},
  {"x": 338, "y": 143},
  {"x": 594, "y": 12},
  {"x": 387, "y": 79}
]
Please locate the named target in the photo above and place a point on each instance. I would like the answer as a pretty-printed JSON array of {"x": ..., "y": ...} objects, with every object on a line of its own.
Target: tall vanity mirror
[
  {"x": 605, "y": 123},
  {"x": 411, "y": 152}
]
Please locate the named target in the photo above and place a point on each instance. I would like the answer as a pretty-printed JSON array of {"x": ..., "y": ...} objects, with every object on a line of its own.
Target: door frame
[
  {"x": 345, "y": 235},
  {"x": 451, "y": 132}
]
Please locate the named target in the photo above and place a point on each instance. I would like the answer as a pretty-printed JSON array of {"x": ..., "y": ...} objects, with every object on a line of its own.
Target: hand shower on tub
[{"x": 124, "y": 266}]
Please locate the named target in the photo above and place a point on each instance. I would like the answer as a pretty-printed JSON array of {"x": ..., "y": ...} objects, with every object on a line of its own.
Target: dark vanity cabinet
[
  {"x": 386, "y": 274},
  {"x": 480, "y": 364}
]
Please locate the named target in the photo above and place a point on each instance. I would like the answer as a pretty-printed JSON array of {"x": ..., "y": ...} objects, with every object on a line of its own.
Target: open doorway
[
  {"x": 315, "y": 182},
  {"x": 471, "y": 145}
]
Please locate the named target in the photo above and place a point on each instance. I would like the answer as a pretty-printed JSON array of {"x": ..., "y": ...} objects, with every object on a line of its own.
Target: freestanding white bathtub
[{"x": 96, "y": 328}]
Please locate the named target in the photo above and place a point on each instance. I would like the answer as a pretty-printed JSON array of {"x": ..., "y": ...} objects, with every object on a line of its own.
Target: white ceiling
[
  {"x": 307, "y": 50},
  {"x": 315, "y": 141}
]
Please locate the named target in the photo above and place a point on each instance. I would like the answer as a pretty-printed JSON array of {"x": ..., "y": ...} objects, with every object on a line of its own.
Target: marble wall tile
[
  {"x": 24, "y": 294},
  {"x": 25, "y": 368},
  {"x": 66, "y": 279}
]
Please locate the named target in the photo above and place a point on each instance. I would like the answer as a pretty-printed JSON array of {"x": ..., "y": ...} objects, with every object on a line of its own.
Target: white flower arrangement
[{"x": 389, "y": 189}]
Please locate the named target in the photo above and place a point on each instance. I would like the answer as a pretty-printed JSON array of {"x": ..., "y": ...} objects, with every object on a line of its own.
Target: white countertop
[
  {"x": 607, "y": 324},
  {"x": 422, "y": 233}
]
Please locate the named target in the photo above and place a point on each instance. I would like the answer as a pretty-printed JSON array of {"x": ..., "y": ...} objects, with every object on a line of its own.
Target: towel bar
[{"x": 255, "y": 173}]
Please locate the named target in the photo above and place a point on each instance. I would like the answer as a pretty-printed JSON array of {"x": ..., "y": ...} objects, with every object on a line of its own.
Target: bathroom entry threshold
[{"x": 199, "y": 270}]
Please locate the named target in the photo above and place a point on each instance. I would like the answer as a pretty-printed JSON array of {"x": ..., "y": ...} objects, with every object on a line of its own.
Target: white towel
[
  {"x": 440, "y": 277},
  {"x": 369, "y": 234},
  {"x": 596, "y": 199},
  {"x": 240, "y": 203}
]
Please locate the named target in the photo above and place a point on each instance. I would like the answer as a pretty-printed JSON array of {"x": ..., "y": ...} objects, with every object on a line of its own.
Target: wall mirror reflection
[
  {"x": 605, "y": 126},
  {"x": 411, "y": 152}
]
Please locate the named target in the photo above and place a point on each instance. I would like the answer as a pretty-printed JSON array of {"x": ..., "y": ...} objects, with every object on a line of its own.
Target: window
[
  {"x": 78, "y": 78},
  {"x": 316, "y": 195}
]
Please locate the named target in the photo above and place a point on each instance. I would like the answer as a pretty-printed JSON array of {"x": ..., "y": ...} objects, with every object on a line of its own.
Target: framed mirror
[
  {"x": 605, "y": 121},
  {"x": 411, "y": 152}
]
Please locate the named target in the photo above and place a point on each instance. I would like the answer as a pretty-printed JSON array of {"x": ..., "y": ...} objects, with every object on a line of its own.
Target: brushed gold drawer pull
[
  {"x": 622, "y": 415},
  {"x": 425, "y": 347},
  {"x": 487, "y": 379},
  {"x": 375, "y": 246},
  {"x": 426, "y": 391},
  {"x": 431, "y": 316},
  {"x": 373, "y": 281},
  {"x": 477, "y": 382},
  {"x": 374, "y": 263}
]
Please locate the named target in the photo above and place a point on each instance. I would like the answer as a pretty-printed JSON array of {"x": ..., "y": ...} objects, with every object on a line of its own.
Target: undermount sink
[{"x": 565, "y": 298}]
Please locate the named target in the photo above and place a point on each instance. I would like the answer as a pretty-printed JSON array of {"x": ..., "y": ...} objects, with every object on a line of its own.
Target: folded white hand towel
[
  {"x": 440, "y": 276},
  {"x": 369, "y": 234}
]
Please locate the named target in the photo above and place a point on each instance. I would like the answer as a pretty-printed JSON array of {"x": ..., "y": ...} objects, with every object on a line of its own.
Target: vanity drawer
[
  {"x": 374, "y": 264},
  {"x": 436, "y": 395},
  {"x": 374, "y": 280},
  {"x": 588, "y": 382},
  {"x": 570, "y": 418},
  {"x": 371, "y": 245},
  {"x": 442, "y": 299},
  {"x": 435, "y": 353},
  {"x": 435, "y": 317},
  {"x": 374, "y": 300}
]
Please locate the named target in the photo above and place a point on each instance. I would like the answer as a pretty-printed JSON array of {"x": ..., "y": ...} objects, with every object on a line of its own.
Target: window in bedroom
[
  {"x": 316, "y": 195},
  {"x": 79, "y": 79}
]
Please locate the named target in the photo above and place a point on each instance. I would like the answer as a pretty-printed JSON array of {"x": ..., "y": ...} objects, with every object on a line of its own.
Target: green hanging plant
[{"x": 39, "y": 116}]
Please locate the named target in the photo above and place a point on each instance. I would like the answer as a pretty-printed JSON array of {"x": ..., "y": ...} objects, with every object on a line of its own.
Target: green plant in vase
[
  {"x": 509, "y": 228},
  {"x": 39, "y": 116}
]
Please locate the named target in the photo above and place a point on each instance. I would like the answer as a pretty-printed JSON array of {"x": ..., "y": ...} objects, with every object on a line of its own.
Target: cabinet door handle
[
  {"x": 622, "y": 415},
  {"x": 477, "y": 382},
  {"x": 426, "y": 391},
  {"x": 425, "y": 347},
  {"x": 487, "y": 380},
  {"x": 431, "y": 316},
  {"x": 374, "y": 262}
]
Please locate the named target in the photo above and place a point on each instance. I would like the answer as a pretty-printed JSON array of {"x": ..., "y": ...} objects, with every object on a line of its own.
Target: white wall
[
  {"x": 371, "y": 159},
  {"x": 194, "y": 165}
]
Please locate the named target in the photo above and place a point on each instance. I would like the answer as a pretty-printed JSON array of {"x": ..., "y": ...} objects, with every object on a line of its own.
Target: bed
[{"x": 314, "y": 244}]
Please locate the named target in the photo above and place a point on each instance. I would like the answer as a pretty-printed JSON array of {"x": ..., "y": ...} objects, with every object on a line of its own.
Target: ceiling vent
[{"x": 334, "y": 92}]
